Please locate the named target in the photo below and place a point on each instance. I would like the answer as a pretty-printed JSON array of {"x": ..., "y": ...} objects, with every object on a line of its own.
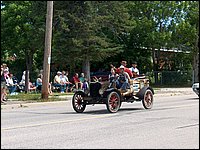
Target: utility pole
[{"x": 47, "y": 52}]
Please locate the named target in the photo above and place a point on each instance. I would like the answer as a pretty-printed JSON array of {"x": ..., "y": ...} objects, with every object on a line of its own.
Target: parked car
[{"x": 195, "y": 88}]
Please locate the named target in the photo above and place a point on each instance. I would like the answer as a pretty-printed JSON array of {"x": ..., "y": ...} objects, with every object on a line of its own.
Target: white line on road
[
  {"x": 81, "y": 119},
  {"x": 57, "y": 122}
]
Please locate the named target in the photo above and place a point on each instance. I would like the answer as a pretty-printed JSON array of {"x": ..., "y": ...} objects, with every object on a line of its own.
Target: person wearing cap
[
  {"x": 134, "y": 69},
  {"x": 123, "y": 79},
  {"x": 57, "y": 82},
  {"x": 124, "y": 63}
]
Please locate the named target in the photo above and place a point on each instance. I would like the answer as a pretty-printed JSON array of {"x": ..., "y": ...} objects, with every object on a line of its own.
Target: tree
[
  {"x": 89, "y": 31},
  {"x": 156, "y": 22},
  {"x": 23, "y": 26}
]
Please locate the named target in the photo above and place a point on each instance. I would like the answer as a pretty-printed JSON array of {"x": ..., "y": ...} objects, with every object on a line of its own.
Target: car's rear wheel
[
  {"x": 147, "y": 101},
  {"x": 78, "y": 102},
  {"x": 113, "y": 102}
]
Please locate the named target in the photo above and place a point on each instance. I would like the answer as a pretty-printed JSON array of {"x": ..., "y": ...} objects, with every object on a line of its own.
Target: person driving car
[{"x": 123, "y": 79}]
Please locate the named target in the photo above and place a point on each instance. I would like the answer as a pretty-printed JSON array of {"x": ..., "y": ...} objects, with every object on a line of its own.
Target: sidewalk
[
  {"x": 160, "y": 92},
  {"x": 166, "y": 91}
]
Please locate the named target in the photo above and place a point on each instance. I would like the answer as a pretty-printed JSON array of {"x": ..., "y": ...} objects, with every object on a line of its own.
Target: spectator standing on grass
[
  {"x": 5, "y": 68},
  {"x": 3, "y": 86},
  {"x": 23, "y": 78}
]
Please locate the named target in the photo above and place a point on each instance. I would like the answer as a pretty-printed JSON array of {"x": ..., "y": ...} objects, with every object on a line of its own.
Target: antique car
[{"x": 107, "y": 93}]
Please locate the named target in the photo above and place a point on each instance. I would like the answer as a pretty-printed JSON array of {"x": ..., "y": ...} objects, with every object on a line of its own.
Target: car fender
[
  {"x": 80, "y": 91},
  {"x": 106, "y": 92},
  {"x": 141, "y": 93}
]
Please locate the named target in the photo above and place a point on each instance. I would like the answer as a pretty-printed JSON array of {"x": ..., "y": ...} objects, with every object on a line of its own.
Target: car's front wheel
[{"x": 78, "y": 102}]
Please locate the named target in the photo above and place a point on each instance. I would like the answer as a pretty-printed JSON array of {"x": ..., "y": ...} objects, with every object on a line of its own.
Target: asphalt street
[{"x": 172, "y": 123}]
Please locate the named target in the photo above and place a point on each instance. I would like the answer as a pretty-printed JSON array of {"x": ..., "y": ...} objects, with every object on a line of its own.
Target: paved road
[{"x": 172, "y": 123}]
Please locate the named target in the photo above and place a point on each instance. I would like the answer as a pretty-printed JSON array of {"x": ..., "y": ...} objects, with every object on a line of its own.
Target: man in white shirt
[
  {"x": 58, "y": 83},
  {"x": 134, "y": 69},
  {"x": 10, "y": 84}
]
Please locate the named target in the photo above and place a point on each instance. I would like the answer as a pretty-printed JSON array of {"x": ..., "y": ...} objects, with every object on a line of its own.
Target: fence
[{"x": 171, "y": 78}]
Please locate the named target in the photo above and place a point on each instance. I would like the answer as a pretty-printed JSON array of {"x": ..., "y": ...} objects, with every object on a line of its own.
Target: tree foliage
[{"x": 92, "y": 32}]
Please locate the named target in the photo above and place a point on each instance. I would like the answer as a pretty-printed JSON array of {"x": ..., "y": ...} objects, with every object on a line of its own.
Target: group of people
[
  {"x": 8, "y": 82},
  {"x": 62, "y": 81},
  {"x": 122, "y": 75},
  {"x": 31, "y": 86}
]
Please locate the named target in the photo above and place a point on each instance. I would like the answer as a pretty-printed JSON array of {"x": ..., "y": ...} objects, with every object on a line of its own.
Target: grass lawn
[{"x": 36, "y": 97}]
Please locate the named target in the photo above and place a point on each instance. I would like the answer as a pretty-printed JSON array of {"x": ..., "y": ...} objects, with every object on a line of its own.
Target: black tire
[
  {"x": 78, "y": 102},
  {"x": 113, "y": 102},
  {"x": 147, "y": 101}
]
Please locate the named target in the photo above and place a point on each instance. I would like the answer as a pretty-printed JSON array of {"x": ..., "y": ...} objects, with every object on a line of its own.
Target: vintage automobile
[{"x": 107, "y": 93}]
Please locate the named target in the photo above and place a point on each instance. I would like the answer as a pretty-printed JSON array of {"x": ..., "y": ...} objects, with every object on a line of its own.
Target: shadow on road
[
  {"x": 106, "y": 111},
  {"x": 193, "y": 99},
  {"x": 130, "y": 109},
  {"x": 87, "y": 111}
]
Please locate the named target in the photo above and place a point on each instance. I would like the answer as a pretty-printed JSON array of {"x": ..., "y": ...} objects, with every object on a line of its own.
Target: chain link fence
[{"x": 170, "y": 78}]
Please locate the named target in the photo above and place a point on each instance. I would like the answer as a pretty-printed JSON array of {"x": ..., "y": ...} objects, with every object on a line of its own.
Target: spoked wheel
[
  {"x": 148, "y": 99},
  {"x": 113, "y": 102},
  {"x": 78, "y": 102}
]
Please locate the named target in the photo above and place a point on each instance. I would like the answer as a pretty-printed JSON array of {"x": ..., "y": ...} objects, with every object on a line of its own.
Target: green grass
[{"x": 36, "y": 97}]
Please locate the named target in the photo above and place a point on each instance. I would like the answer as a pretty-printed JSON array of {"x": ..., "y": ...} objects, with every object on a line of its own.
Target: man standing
[{"x": 124, "y": 63}]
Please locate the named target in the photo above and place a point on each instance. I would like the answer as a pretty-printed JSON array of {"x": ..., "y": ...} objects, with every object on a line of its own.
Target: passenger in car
[
  {"x": 123, "y": 80},
  {"x": 134, "y": 69},
  {"x": 124, "y": 63}
]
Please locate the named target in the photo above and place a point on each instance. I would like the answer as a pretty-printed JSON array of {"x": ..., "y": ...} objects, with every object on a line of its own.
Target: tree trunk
[
  {"x": 29, "y": 64},
  {"x": 27, "y": 81},
  {"x": 72, "y": 68},
  {"x": 86, "y": 67}
]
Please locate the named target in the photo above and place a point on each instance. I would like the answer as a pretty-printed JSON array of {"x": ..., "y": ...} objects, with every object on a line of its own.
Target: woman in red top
[{"x": 77, "y": 82}]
